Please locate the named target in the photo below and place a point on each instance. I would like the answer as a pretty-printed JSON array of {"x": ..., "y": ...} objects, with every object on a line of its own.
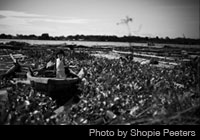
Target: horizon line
[{"x": 104, "y": 35}]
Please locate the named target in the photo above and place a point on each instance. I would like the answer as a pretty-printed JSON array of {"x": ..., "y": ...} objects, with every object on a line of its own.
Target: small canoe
[{"x": 59, "y": 89}]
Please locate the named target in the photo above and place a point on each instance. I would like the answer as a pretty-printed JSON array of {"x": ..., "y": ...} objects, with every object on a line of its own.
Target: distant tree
[
  {"x": 70, "y": 37},
  {"x": 146, "y": 38},
  {"x": 4, "y": 36},
  {"x": 167, "y": 38},
  {"x": 61, "y": 38},
  {"x": 32, "y": 36},
  {"x": 44, "y": 36},
  {"x": 157, "y": 38}
]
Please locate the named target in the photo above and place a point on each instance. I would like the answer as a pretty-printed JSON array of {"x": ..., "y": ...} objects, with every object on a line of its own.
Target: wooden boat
[{"x": 59, "y": 89}]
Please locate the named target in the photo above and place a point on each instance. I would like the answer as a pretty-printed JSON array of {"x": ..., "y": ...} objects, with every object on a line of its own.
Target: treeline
[{"x": 113, "y": 38}]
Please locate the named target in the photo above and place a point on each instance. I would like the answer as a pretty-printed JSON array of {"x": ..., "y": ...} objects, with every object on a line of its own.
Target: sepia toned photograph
[{"x": 100, "y": 62}]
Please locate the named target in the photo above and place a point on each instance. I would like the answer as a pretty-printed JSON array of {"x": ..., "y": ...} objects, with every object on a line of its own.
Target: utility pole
[{"x": 126, "y": 22}]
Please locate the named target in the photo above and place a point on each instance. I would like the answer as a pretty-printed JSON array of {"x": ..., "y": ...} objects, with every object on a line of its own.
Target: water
[
  {"x": 85, "y": 43},
  {"x": 92, "y": 43}
]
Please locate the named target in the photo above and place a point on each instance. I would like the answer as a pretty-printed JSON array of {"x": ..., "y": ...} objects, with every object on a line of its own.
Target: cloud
[
  {"x": 41, "y": 18},
  {"x": 13, "y": 22},
  {"x": 59, "y": 20},
  {"x": 7, "y": 13}
]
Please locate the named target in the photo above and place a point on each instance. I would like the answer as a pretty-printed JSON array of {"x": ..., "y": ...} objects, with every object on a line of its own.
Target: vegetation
[
  {"x": 118, "y": 91},
  {"x": 113, "y": 38}
]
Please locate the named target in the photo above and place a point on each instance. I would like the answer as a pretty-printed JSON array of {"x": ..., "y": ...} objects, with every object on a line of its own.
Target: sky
[{"x": 150, "y": 18}]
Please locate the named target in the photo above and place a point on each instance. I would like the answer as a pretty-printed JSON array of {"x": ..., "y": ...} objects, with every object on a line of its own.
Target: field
[{"x": 121, "y": 86}]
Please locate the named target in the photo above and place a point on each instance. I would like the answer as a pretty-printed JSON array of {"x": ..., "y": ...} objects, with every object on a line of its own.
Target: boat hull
[{"x": 60, "y": 90}]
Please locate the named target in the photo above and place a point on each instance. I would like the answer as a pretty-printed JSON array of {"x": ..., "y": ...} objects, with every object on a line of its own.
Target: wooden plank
[{"x": 17, "y": 80}]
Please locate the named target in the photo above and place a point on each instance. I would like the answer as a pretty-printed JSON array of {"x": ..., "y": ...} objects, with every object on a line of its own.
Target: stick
[
  {"x": 143, "y": 111},
  {"x": 14, "y": 60}
]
